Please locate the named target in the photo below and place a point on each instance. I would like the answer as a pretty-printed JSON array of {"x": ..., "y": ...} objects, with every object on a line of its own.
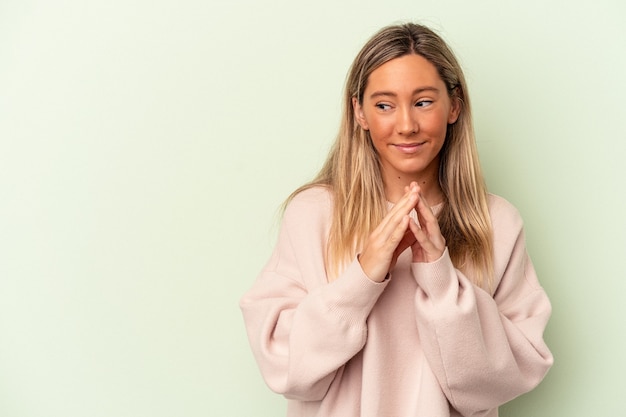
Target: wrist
[{"x": 372, "y": 273}]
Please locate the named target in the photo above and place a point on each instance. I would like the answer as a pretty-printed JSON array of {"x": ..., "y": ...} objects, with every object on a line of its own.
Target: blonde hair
[{"x": 353, "y": 174}]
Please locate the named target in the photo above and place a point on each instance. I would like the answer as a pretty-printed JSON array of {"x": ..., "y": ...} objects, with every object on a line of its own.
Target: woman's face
[{"x": 407, "y": 109}]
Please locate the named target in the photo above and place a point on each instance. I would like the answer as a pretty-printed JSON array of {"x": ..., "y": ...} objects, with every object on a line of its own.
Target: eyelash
[{"x": 420, "y": 103}]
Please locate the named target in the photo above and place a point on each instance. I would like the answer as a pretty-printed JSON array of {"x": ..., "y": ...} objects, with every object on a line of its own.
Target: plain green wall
[{"x": 145, "y": 147}]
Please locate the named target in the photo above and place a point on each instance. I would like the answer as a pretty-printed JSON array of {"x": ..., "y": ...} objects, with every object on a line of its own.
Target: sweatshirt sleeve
[
  {"x": 301, "y": 328},
  {"x": 485, "y": 350}
]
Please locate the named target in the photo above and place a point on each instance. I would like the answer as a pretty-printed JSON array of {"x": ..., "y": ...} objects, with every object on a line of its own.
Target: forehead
[{"x": 408, "y": 72}]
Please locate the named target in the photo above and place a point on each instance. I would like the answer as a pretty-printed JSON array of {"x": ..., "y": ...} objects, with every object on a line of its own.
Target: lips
[{"x": 409, "y": 147}]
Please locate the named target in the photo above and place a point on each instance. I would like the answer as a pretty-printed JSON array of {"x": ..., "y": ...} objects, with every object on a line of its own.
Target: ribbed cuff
[
  {"x": 435, "y": 278},
  {"x": 354, "y": 293}
]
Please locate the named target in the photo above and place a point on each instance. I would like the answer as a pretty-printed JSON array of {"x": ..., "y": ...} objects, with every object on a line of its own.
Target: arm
[
  {"x": 485, "y": 350},
  {"x": 301, "y": 328}
]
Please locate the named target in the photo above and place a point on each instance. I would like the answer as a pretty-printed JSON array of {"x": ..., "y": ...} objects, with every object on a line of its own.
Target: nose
[{"x": 406, "y": 123}]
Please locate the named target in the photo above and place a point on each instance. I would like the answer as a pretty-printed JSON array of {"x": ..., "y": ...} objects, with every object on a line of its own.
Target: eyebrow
[{"x": 392, "y": 94}]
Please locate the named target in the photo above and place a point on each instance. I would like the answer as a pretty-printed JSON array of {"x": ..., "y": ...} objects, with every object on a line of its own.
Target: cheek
[
  {"x": 438, "y": 125},
  {"x": 380, "y": 127}
]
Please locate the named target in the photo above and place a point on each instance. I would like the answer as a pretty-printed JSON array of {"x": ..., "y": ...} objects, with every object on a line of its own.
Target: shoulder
[
  {"x": 316, "y": 196},
  {"x": 310, "y": 208},
  {"x": 310, "y": 201},
  {"x": 505, "y": 218},
  {"x": 502, "y": 209}
]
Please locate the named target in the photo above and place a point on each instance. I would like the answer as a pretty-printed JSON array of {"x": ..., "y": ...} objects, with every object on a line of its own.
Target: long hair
[{"x": 352, "y": 170}]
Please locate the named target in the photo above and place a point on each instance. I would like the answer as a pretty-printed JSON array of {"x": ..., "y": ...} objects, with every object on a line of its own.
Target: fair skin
[{"x": 406, "y": 108}]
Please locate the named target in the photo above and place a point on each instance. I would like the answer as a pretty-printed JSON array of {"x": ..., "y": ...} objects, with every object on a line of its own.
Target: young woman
[{"x": 398, "y": 286}]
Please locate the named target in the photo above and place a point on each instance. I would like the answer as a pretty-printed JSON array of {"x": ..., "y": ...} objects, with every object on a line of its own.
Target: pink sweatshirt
[{"x": 427, "y": 342}]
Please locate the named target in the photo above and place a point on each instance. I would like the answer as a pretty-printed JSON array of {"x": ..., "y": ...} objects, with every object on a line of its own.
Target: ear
[
  {"x": 358, "y": 114},
  {"x": 455, "y": 110}
]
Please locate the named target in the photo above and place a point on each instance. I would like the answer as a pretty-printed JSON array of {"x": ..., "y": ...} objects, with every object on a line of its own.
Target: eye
[
  {"x": 383, "y": 106},
  {"x": 423, "y": 103}
]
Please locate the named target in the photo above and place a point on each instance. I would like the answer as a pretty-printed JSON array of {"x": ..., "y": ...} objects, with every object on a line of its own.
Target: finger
[
  {"x": 409, "y": 199},
  {"x": 379, "y": 254},
  {"x": 394, "y": 226},
  {"x": 398, "y": 233},
  {"x": 426, "y": 217},
  {"x": 431, "y": 226},
  {"x": 430, "y": 251},
  {"x": 420, "y": 235},
  {"x": 407, "y": 240},
  {"x": 385, "y": 239},
  {"x": 431, "y": 243},
  {"x": 400, "y": 209},
  {"x": 416, "y": 247}
]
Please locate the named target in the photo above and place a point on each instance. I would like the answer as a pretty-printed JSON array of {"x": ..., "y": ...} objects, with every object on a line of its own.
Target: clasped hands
[{"x": 398, "y": 231}]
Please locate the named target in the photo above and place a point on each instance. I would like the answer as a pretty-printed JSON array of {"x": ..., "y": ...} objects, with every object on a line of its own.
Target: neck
[{"x": 428, "y": 183}]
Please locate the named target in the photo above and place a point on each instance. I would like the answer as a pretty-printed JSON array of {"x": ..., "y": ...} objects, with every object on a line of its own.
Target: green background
[{"x": 145, "y": 147}]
